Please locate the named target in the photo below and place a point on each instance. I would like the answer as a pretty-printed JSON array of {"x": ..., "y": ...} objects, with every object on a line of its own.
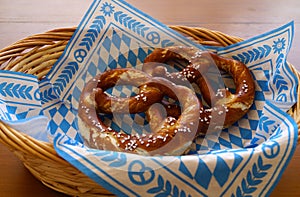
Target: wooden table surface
[{"x": 245, "y": 19}]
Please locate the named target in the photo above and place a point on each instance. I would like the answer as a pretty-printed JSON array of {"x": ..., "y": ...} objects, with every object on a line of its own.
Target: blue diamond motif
[
  {"x": 132, "y": 58},
  {"x": 92, "y": 69},
  {"x": 225, "y": 143},
  {"x": 53, "y": 127},
  {"x": 236, "y": 140},
  {"x": 122, "y": 61},
  {"x": 63, "y": 110},
  {"x": 101, "y": 66},
  {"x": 52, "y": 112},
  {"x": 263, "y": 85},
  {"x": 112, "y": 63},
  {"x": 203, "y": 174},
  {"x": 76, "y": 93},
  {"x": 246, "y": 133},
  {"x": 70, "y": 98},
  {"x": 116, "y": 40},
  {"x": 259, "y": 96},
  {"x": 22, "y": 115},
  {"x": 78, "y": 138},
  {"x": 237, "y": 160},
  {"x": 212, "y": 144},
  {"x": 221, "y": 172},
  {"x": 123, "y": 95},
  {"x": 126, "y": 40},
  {"x": 114, "y": 126},
  {"x": 216, "y": 146},
  {"x": 185, "y": 170},
  {"x": 253, "y": 124},
  {"x": 64, "y": 126},
  {"x": 74, "y": 123},
  {"x": 107, "y": 44},
  {"x": 142, "y": 54},
  {"x": 11, "y": 109}
]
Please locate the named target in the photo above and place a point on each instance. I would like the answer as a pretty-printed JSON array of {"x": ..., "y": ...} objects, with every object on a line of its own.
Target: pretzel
[
  {"x": 225, "y": 107},
  {"x": 170, "y": 137}
]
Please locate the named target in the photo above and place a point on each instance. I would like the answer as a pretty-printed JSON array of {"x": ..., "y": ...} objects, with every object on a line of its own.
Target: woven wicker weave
[{"x": 36, "y": 55}]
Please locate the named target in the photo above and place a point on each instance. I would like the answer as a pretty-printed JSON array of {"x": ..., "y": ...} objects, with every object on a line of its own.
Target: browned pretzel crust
[
  {"x": 147, "y": 95},
  {"x": 226, "y": 107},
  {"x": 171, "y": 136}
]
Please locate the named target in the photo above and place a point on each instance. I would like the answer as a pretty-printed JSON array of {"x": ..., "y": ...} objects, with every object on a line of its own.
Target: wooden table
[{"x": 245, "y": 19}]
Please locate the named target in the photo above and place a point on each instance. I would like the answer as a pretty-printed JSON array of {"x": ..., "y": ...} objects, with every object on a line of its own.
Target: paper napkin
[{"x": 246, "y": 159}]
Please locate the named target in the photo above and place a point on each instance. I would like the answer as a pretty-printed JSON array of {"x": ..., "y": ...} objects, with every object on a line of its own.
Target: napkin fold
[{"x": 247, "y": 158}]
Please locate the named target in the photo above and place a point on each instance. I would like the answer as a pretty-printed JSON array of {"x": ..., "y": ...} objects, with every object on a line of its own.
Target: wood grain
[{"x": 245, "y": 19}]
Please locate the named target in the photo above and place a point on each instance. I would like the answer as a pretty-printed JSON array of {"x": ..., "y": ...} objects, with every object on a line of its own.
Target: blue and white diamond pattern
[
  {"x": 15, "y": 112},
  {"x": 218, "y": 168},
  {"x": 63, "y": 120}
]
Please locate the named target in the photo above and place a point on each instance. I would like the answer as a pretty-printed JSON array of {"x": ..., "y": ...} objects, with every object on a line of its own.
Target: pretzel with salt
[
  {"x": 225, "y": 107},
  {"x": 174, "y": 135}
]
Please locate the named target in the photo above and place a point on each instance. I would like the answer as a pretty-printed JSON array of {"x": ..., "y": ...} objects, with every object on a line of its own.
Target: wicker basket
[{"x": 36, "y": 55}]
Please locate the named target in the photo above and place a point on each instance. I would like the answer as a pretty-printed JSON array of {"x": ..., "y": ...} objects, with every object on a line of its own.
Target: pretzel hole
[
  {"x": 122, "y": 91},
  {"x": 127, "y": 122},
  {"x": 136, "y": 123}
]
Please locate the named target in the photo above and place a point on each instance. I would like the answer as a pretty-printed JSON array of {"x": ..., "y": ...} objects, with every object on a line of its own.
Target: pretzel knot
[
  {"x": 225, "y": 107},
  {"x": 168, "y": 136}
]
